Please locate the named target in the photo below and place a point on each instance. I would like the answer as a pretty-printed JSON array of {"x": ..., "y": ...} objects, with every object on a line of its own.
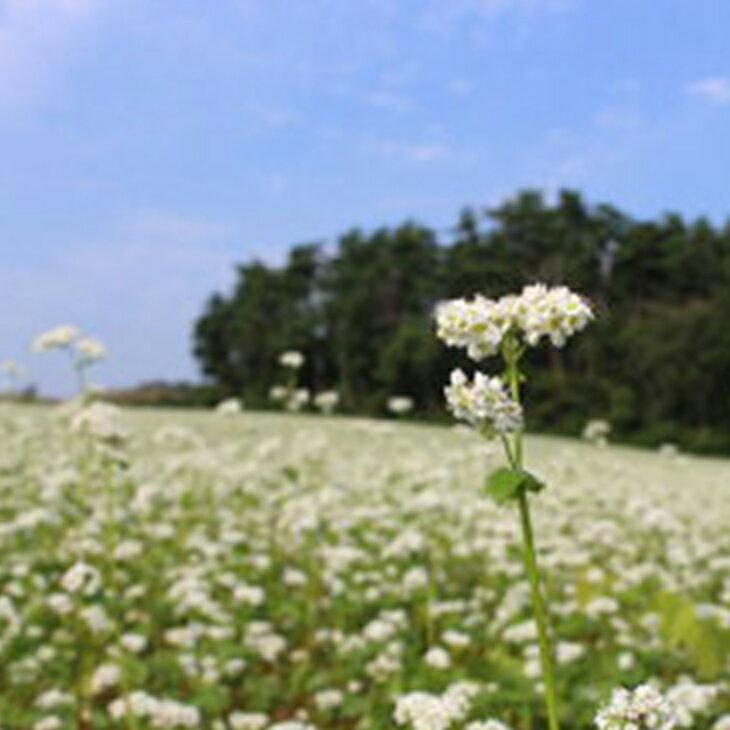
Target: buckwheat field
[{"x": 234, "y": 570}]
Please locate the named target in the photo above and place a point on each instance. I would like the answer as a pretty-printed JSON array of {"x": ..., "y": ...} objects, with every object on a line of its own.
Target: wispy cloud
[
  {"x": 387, "y": 100},
  {"x": 163, "y": 226},
  {"x": 460, "y": 86},
  {"x": 36, "y": 38},
  {"x": 443, "y": 16},
  {"x": 618, "y": 118},
  {"x": 715, "y": 89},
  {"x": 416, "y": 152}
]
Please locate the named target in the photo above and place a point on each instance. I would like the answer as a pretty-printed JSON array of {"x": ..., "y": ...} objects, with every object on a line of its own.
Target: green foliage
[
  {"x": 505, "y": 484},
  {"x": 656, "y": 363}
]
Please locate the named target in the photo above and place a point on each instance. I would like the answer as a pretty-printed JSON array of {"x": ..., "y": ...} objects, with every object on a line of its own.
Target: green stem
[
  {"x": 540, "y": 609},
  {"x": 515, "y": 456}
]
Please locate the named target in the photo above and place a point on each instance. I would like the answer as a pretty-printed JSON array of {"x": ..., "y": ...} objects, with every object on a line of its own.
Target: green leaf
[{"x": 505, "y": 484}]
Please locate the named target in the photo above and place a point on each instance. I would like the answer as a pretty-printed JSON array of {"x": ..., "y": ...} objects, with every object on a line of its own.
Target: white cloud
[
  {"x": 618, "y": 118},
  {"x": 162, "y": 225},
  {"x": 36, "y": 42},
  {"x": 443, "y": 16},
  {"x": 416, "y": 152},
  {"x": 387, "y": 100},
  {"x": 461, "y": 87},
  {"x": 715, "y": 89}
]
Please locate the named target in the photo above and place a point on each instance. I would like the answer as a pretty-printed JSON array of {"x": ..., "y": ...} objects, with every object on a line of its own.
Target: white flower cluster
[
  {"x": 483, "y": 401},
  {"x": 84, "y": 351},
  {"x": 159, "y": 713},
  {"x": 643, "y": 708},
  {"x": 596, "y": 431},
  {"x": 480, "y": 325},
  {"x": 293, "y": 399},
  {"x": 400, "y": 404},
  {"x": 327, "y": 401},
  {"x": 11, "y": 368},
  {"x": 291, "y": 359},
  {"x": 424, "y": 711},
  {"x": 100, "y": 421},
  {"x": 89, "y": 350},
  {"x": 59, "y": 337},
  {"x": 229, "y": 407}
]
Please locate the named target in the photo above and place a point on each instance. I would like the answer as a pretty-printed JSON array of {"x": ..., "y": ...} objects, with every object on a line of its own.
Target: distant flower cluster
[
  {"x": 327, "y": 401},
  {"x": 426, "y": 711},
  {"x": 399, "y": 405},
  {"x": 597, "y": 431},
  {"x": 57, "y": 338},
  {"x": 84, "y": 351},
  {"x": 229, "y": 407},
  {"x": 291, "y": 359},
  {"x": 161, "y": 713},
  {"x": 293, "y": 399},
  {"x": 643, "y": 708},
  {"x": 98, "y": 420}
]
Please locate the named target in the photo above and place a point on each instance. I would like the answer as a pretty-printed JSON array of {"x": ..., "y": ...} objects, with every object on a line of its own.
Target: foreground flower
[
  {"x": 485, "y": 327},
  {"x": 481, "y": 325},
  {"x": 483, "y": 403},
  {"x": 643, "y": 708}
]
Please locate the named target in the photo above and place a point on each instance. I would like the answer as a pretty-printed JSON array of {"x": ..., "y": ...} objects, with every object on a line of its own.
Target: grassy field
[{"x": 191, "y": 569}]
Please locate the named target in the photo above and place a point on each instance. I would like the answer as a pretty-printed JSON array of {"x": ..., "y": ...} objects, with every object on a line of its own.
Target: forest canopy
[{"x": 655, "y": 364}]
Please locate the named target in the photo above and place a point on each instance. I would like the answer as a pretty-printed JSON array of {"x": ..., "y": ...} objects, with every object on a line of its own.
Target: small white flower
[
  {"x": 327, "y": 400},
  {"x": 483, "y": 402},
  {"x": 596, "y": 431},
  {"x": 643, "y": 708},
  {"x": 89, "y": 351},
  {"x": 400, "y": 404},
  {"x": 100, "y": 421},
  {"x": 229, "y": 407},
  {"x": 437, "y": 658},
  {"x": 291, "y": 359}
]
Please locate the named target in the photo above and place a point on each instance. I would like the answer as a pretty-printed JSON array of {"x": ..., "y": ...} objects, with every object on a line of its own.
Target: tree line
[{"x": 655, "y": 364}]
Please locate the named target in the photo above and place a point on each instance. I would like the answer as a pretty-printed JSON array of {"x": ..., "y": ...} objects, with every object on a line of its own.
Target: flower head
[
  {"x": 229, "y": 407},
  {"x": 56, "y": 338},
  {"x": 643, "y": 708},
  {"x": 400, "y": 404},
  {"x": 480, "y": 325},
  {"x": 327, "y": 400},
  {"x": 291, "y": 359},
  {"x": 89, "y": 351},
  {"x": 483, "y": 402}
]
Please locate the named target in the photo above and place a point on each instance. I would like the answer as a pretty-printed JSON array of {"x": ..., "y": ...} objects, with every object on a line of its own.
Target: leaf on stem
[{"x": 505, "y": 484}]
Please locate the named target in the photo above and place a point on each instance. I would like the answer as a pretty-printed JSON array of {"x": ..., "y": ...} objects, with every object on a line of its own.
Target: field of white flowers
[{"x": 170, "y": 569}]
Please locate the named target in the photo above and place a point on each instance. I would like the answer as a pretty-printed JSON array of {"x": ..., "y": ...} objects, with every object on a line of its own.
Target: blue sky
[{"x": 148, "y": 145}]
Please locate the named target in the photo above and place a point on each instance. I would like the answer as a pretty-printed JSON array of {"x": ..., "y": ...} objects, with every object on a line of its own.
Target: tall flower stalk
[
  {"x": 493, "y": 406},
  {"x": 82, "y": 351}
]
